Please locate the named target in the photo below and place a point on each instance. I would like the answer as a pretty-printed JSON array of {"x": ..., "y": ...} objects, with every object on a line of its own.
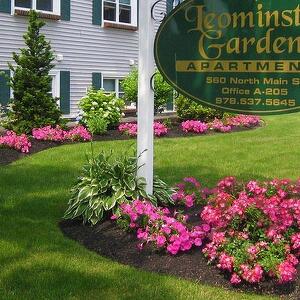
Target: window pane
[
  {"x": 46, "y": 5},
  {"x": 23, "y": 3},
  {"x": 125, "y": 2},
  {"x": 110, "y": 11},
  {"x": 125, "y": 14},
  {"x": 109, "y": 85}
]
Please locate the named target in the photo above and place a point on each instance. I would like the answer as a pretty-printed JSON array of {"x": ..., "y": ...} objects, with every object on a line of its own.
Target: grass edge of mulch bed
[{"x": 8, "y": 155}]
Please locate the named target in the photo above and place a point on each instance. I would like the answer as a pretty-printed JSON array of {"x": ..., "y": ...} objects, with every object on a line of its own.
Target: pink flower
[
  {"x": 130, "y": 129},
  {"x": 18, "y": 142},
  {"x": 287, "y": 272},
  {"x": 235, "y": 279},
  {"x": 194, "y": 126},
  {"x": 160, "y": 241}
]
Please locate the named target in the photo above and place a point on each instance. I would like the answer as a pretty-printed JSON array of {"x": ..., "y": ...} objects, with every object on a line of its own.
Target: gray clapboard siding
[{"x": 86, "y": 48}]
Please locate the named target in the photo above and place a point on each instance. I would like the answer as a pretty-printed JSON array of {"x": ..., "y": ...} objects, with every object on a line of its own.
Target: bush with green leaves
[
  {"x": 162, "y": 90},
  {"x": 188, "y": 109},
  {"x": 2, "y": 114},
  {"x": 106, "y": 182},
  {"x": 98, "y": 104},
  {"x": 32, "y": 105},
  {"x": 97, "y": 125}
]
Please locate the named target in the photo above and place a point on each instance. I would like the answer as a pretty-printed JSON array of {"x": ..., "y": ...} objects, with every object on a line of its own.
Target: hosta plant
[{"x": 106, "y": 182}]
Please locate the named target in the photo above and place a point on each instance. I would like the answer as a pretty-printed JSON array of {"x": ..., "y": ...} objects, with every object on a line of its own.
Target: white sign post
[{"x": 145, "y": 94}]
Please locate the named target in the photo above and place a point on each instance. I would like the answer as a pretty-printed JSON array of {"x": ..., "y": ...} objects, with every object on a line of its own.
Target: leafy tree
[
  {"x": 32, "y": 103},
  {"x": 162, "y": 90}
]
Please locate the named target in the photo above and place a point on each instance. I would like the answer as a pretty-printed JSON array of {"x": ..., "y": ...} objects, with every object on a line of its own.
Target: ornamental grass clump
[{"x": 255, "y": 229}]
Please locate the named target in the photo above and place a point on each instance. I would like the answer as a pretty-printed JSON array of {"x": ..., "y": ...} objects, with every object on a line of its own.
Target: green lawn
[{"x": 37, "y": 262}]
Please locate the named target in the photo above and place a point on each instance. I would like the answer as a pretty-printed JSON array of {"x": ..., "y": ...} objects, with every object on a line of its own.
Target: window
[
  {"x": 55, "y": 84},
  {"x": 46, "y": 6},
  {"x": 112, "y": 85},
  {"x": 120, "y": 11}
]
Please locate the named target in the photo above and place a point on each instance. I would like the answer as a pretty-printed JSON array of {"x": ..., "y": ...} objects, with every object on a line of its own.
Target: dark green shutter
[
  {"x": 97, "y": 81},
  {"x": 4, "y": 88},
  {"x": 65, "y": 10},
  {"x": 65, "y": 92},
  {"x": 5, "y": 6},
  {"x": 97, "y": 12}
]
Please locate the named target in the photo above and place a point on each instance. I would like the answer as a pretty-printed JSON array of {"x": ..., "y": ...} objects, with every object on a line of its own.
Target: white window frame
[
  {"x": 55, "y": 85},
  {"x": 56, "y": 7},
  {"x": 134, "y": 14},
  {"x": 117, "y": 80}
]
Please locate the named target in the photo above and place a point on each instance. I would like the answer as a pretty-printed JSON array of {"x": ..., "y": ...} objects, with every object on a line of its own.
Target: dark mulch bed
[
  {"x": 110, "y": 241},
  {"x": 8, "y": 156}
]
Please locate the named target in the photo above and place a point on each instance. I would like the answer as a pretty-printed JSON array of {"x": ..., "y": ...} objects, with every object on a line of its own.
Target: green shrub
[
  {"x": 98, "y": 104},
  {"x": 106, "y": 182},
  {"x": 32, "y": 105},
  {"x": 188, "y": 109},
  {"x": 162, "y": 90},
  {"x": 97, "y": 125}
]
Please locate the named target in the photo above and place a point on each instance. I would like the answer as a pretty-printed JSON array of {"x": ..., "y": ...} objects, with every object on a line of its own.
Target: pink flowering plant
[
  {"x": 57, "y": 134},
  {"x": 188, "y": 192},
  {"x": 194, "y": 126},
  {"x": 130, "y": 129},
  {"x": 255, "y": 229},
  {"x": 18, "y": 142},
  {"x": 159, "y": 228},
  {"x": 224, "y": 126}
]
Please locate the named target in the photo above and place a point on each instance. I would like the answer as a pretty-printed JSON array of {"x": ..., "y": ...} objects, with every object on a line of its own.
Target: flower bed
[
  {"x": 248, "y": 230},
  {"x": 255, "y": 229},
  {"x": 239, "y": 121},
  {"x": 18, "y": 142},
  {"x": 57, "y": 134},
  {"x": 130, "y": 129}
]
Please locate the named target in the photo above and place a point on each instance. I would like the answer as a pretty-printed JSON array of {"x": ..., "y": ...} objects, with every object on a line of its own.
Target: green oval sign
[{"x": 239, "y": 56}]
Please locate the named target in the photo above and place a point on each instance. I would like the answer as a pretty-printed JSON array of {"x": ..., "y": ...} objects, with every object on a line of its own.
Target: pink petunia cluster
[
  {"x": 255, "y": 229},
  {"x": 188, "y": 192},
  {"x": 17, "y": 142},
  {"x": 225, "y": 126},
  {"x": 244, "y": 121},
  {"x": 158, "y": 227},
  {"x": 219, "y": 126},
  {"x": 130, "y": 129},
  {"x": 194, "y": 126},
  {"x": 57, "y": 134}
]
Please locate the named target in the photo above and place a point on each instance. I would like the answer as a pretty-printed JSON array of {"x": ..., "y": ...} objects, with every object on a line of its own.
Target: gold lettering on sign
[
  {"x": 238, "y": 66},
  {"x": 212, "y": 28}
]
